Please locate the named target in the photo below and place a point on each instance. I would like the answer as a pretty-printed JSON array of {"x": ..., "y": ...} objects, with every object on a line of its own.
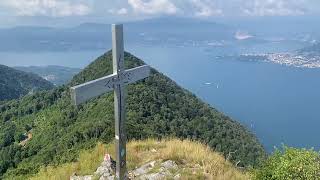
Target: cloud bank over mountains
[
  {"x": 275, "y": 7},
  {"x": 208, "y": 8},
  {"x": 72, "y": 11},
  {"x": 53, "y": 8},
  {"x": 153, "y": 6},
  {"x": 196, "y": 8}
]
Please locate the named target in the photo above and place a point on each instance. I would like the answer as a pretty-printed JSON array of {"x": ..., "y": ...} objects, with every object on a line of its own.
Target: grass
[
  {"x": 195, "y": 160},
  {"x": 87, "y": 163}
]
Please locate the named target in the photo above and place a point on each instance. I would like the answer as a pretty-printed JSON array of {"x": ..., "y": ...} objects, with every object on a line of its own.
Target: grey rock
[
  {"x": 143, "y": 169},
  {"x": 169, "y": 165},
  {"x": 177, "y": 177},
  {"x": 81, "y": 177},
  {"x": 108, "y": 177},
  {"x": 105, "y": 170},
  {"x": 154, "y": 176},
  {"x": 162, "y": 174},
  {"x": 165, "y": 172}
]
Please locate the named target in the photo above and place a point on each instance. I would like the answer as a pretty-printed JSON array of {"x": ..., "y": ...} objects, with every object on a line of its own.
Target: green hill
[
  {"x": 15, "y": 83},
  {"x": 156, "y": 107}
]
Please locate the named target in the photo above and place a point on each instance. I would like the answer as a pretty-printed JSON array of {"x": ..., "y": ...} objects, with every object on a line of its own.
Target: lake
[{"x": 278, "y": 103}]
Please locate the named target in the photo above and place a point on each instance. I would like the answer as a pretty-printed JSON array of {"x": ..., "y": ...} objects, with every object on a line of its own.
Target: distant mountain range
[
  {"x": 15, "y": 83},
  {"x": 92, "y": 36},
  {"x": 163, "y": 31},
  {"x": 58, "y": 75}
]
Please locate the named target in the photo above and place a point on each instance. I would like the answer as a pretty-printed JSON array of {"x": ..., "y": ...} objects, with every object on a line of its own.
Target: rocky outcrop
[
  {"x": 104, "y": 172},
  {"x": 142, "y": 170},
  {"x": 164, "y": 172},
  {"x": 154, "y": 170}
]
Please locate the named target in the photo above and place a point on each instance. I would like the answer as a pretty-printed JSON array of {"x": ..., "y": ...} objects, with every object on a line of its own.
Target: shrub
[{"x": 290, "y": 163}]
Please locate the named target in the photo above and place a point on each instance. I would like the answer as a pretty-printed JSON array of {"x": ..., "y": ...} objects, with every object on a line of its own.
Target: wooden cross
[{"x": 116, "y": 82}]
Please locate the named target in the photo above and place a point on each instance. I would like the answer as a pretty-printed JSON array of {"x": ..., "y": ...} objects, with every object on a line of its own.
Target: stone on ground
[{"x": 159, "y": 171}]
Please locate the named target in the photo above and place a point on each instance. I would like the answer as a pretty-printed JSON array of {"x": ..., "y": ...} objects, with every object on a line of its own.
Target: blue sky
[{"x": 69, "y": 12}]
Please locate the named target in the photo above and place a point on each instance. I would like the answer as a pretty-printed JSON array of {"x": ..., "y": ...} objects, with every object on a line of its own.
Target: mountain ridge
[
  {"x": 92, "y": 36},
  {"x": 15, "y": 83},
  {"x": 156, "y": 108}
]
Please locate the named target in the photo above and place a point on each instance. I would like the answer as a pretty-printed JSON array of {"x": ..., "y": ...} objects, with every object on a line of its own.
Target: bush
[{"x": 291, "y": 163}]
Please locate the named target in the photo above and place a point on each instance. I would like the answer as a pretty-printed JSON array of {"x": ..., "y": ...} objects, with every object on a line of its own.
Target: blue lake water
[{"x": 279, "y": 103}]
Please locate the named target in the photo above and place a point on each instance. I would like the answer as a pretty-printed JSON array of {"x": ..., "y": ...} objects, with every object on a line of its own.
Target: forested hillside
[
  {"x": 156, "y": 107},
  {"x": 15, "y": 83}
]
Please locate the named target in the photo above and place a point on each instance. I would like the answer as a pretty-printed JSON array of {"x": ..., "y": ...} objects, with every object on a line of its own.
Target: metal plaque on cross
[{"x": 116, "y": 82}]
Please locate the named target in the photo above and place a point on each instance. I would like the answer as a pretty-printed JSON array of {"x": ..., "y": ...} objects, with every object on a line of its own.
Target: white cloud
[
  {"x": 153, "y": 6},
  {"x": 274, "y": 7},
  {"x": 122, "y": 11},
  {"x": 206, "y": 8},
  {"x": 54, "y": 8},
  {"x": 140, "y": 9}
]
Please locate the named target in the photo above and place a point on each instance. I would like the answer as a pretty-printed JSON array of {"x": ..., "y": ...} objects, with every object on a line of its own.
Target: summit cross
[{"x": 117, "y": 82}]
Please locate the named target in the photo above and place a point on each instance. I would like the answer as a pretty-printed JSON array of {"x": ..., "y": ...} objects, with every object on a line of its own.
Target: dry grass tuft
[
  {"x": 87, "y": 163},
  {"x": 195, "y": 160}
]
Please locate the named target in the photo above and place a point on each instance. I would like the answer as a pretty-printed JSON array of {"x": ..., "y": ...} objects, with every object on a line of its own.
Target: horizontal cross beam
[{"x": 88, "y": 90}]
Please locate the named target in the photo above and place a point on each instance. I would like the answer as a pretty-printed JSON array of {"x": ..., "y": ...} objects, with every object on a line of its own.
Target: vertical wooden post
[{"x": 119, "y": 101}]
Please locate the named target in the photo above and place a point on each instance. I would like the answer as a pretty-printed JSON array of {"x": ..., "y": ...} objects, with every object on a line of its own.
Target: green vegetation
[
  {"x": 15, "y": 84},
  {"x": 195, "y": 160},
  {"x": 291, "y": 163},
  {"x": 156, "y": 108}
]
